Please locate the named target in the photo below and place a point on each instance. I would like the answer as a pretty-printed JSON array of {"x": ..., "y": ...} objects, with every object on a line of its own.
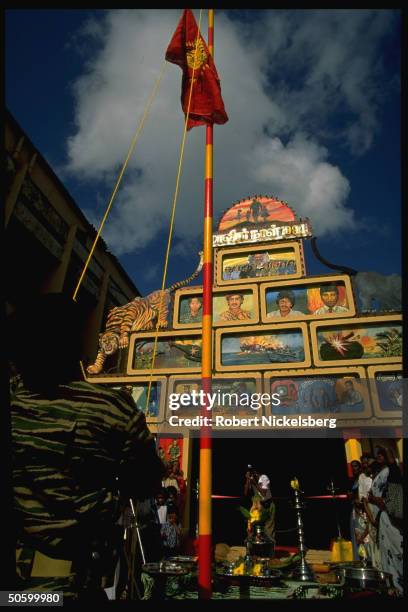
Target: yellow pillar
[
  {"x": 94, "y": 322},
  {"x": 56, "y": 282},
  {"x": 353, "y": 450},
  {"x": 400, "y": 445}
]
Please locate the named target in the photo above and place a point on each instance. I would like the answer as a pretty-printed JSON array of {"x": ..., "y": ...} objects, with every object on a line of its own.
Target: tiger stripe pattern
[
  {"x": 67, "y": 452},
  {"x": 145, "y": 314}
]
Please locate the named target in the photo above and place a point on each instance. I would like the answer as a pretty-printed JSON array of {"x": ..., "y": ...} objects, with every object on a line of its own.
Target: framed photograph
[
  {"x": 262, "y": 347},
  {"x": 172, "y": 353},
  {"x": 266, "y": 262},
  {"x": 234, "y": 396},
  {"x": 338, "y": 392},
  {"x": 153, "y": 409},
  {"x": 321, "y": 297},
  {"x": 235, "y": 306},
  {"x": 387, "y": 393},
  {"x": 362, "y": 341}
]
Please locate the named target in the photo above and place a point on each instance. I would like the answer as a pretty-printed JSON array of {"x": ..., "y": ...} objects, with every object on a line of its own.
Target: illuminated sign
[{"x": 260, "y": 219}]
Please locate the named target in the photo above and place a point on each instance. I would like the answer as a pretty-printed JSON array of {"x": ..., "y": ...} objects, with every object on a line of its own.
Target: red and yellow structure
[{"x": 205, "y": 470}]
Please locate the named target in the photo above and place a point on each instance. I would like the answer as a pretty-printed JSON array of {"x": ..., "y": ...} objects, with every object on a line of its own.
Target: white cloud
[{"x": 281, "y": 80}]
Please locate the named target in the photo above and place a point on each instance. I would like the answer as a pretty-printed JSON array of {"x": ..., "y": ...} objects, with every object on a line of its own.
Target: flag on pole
[{"x": 206, "y": 106}]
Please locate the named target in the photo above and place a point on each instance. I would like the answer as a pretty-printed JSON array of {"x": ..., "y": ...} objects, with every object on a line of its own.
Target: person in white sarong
[{"x": 389, "y": 536}]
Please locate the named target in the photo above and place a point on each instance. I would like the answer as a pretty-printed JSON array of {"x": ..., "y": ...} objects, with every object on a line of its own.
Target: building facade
[{"x": 48, "y": 239}]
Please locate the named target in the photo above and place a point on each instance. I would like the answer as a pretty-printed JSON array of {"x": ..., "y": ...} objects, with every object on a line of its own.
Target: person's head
[
  {"x": 172, "y": 515},
  {"x": 366, "y": 461},
  {"x": 235, "y": 301},
  {"x": 349, "y": 385},
  {"x": 171, "y": 495},
  {"x": 329, "y": 295},
  {"x": 259, "y": 258},
  {"x": 161, "y": 497},
  {"x": 381, "y": 456},
  {"x": 45, "y": 340},
  {"x": 195, "y": 304},
  {"x": 355, "y": 467},
  {"x": 285, "y": 301}
]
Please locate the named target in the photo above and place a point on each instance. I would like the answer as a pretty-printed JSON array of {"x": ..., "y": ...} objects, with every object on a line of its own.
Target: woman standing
[{"x": 389, "y": 535}]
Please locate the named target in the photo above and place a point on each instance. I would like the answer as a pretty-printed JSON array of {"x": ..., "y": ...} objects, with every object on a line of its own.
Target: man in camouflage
[{"x": 77, "y": 449}]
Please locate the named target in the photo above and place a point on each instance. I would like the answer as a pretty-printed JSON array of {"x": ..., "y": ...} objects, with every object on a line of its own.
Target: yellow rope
[
  {"x": 173, "y": 214},
  {"x": 131, "y": 149}
]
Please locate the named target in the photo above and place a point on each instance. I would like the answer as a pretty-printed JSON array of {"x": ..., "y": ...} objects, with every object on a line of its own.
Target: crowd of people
[{"x": 376, "y": 517}]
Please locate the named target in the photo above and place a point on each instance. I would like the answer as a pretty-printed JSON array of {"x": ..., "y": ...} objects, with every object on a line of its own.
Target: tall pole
[{"x": 204, "y": 499}]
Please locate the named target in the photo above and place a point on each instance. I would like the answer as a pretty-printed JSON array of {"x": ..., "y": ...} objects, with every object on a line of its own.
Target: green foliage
[
  {"x": 390, "y": 342},
  {"x": 245, "y": 513}
]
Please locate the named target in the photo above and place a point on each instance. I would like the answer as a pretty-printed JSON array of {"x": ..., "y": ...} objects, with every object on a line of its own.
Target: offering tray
[
  {"x": 165, "y": 568},
  {"x": 182, "y": 559},
  {"x": 185, "y": 561},
  {"x": 269, "y": 578}
]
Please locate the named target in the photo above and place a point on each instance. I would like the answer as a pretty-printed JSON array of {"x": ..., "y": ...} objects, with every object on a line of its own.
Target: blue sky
[{"x": 314, "y": 104}]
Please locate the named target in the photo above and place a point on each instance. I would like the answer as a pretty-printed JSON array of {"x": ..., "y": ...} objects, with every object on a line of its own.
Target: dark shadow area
[{"x": 315, "y": 462}]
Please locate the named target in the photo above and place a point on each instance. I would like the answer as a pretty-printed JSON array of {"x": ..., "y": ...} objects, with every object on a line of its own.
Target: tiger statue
[{"x": 142, "y": 313}]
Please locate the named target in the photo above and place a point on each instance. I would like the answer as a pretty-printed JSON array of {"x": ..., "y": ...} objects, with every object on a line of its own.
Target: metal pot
[
  {"x": 259, "y": 544},
  {"x": 363, "y": 577}
]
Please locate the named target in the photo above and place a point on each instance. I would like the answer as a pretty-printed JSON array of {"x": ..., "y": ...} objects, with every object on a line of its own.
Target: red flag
[{"x": 206, "y": 104}]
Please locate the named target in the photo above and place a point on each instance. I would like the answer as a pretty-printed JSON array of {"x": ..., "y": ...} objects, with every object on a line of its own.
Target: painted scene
[
  {"x": 173, "y": 352},
  {"x": 170, "y": 450},
  {"x": 262, "y": 264},
  {"x": 389, "y": 390},
  {"x": 318, "y": 394},
  {"x": 237, "y": 306},
  {"x": 139, "y": 394},
  {"x": 234, "y": 397},
  {"x": 298, "y": 301},
  {"x": 256, "y": 211},
  {"x": 280, "y": 347},
  {"x": 372, "y": 341}
]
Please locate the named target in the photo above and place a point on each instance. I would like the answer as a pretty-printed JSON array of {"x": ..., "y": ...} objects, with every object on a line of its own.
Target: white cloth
[
  {"x": 390, "y": 538},
  {"x": 326, "y": 309},
  {"x": 171, "y": 482},
  {"x": 292, "y": 313},
  {"x": 264, "y": 482},
  {"x": 162, "y": 514},
  {"x": 364, "y": 485}
]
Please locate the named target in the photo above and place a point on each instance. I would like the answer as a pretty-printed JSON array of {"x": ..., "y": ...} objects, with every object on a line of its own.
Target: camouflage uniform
[{"x": 70, "y": 451}]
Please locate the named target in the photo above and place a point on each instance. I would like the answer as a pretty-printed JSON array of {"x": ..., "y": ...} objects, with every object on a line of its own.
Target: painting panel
[
  {"x": 154, "y": 408},
  {"x": 232, "y": 396},
  {"x": 172, "y": 353},
  {"x": 260, "y": 264},
  {"x": 236, "y": 306},
  {"x": 298, "y": 301},
  {"x": 269, "y": 349},
  {"x": 362, "y": 342},
  {"x": 387, "y": 391},
  {"x": 330, "y": 394}
]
